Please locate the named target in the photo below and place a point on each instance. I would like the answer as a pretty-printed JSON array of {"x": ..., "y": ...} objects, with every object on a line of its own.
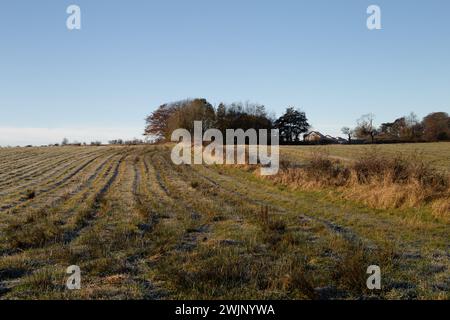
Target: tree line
[
  {"x": 291, "y": 125},
  {"x": 433, "y": 127},
  {"x": 168, "y": 117}
]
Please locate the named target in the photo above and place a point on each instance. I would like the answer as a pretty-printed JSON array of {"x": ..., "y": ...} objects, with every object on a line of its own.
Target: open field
[
  {"x": 438, "y": 154},
  {"x": 140, "y": 227}
]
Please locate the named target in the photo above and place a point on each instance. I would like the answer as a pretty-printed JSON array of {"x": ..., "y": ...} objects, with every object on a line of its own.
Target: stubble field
[{"x": 140, "y": 227}]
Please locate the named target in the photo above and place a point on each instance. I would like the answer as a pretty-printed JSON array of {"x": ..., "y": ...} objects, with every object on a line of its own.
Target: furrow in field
[
  {"x": 146, "y": 194},
  {"x": 101, "y": 183},
  {"x": 134, "y": 206},
  {"x": 72, "y": 174},
  {"x": 65, "y": 205},
  {"x": 202, "y": 212},
  {"x": 273, "y": 198},
  {"x": 168, "y": 181},
  {"x": 89, "y": 216},
  {"x": 330, "y": 214},
  {"x": 131, "y": 215},
  {"x": 340, "y": 219},
  {"x": 114, "y": 218},
  {"x": 12, "y": 166},
  {"x": 14, "y": 161},
  {"x": 35, "y": 170},
  {"x": 53, "y": 187},
  {"x": 238, "y": 220},
  {"x": 256, "y": 196},
  {"x": 158, "y": 193},
  {"x": 32, "y": 166},
  {"x": 16, "y": 158},
  {"x": 232, "y": 194},
  {"x": 49, "y": 172},
  {"x": 77, "y": 211},
  {"x": 85, "y": 184}
]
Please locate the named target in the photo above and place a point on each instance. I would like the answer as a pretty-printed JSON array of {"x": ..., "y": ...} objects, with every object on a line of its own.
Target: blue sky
[{"x": 131, "y": 56}]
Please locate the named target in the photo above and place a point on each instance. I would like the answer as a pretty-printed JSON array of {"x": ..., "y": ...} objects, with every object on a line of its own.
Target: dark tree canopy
[
  {"x": 240, "y": 116},
  {"x": 169, "y": 117},
  {"x": 291, "y": 125}
]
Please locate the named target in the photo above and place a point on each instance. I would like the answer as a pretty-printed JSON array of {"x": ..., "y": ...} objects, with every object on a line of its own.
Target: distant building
[
  {"x": 341, "y": 140},
  {"x": 314, "y": 136},
  {"x": 317, "y": 137}
]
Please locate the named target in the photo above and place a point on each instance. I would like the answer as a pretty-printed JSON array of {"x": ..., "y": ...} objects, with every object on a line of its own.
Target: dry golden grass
[
  {"x": 441, "y": 207},
  {"x": 374, "y": 179}
]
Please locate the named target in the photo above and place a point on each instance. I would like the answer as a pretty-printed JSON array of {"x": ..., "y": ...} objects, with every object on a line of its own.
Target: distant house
[
  {"x": 314, "y": 136},
  {"x": 341, "y": 140},
  {"x": 317, "y": 137},
  {"x": 331, "y": 139}
]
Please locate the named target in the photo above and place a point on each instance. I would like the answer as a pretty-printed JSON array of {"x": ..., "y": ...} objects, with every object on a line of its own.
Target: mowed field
[{"x": 140, "y": 227}]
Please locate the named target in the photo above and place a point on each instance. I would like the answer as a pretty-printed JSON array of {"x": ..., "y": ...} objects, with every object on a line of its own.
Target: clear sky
[{"x": 131, "y": 56}]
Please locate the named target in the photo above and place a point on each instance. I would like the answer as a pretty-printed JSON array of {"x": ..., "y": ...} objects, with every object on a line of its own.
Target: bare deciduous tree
[
  {"x": 365, "y": 127},
  {"x": 348, "y": 132}
]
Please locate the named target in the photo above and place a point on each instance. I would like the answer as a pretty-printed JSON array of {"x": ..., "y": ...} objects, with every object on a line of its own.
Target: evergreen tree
[{"x": 291, "y": 125}]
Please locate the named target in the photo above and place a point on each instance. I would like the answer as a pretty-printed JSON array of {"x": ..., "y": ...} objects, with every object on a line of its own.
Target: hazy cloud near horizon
[{"x": 14, "y": 136}]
